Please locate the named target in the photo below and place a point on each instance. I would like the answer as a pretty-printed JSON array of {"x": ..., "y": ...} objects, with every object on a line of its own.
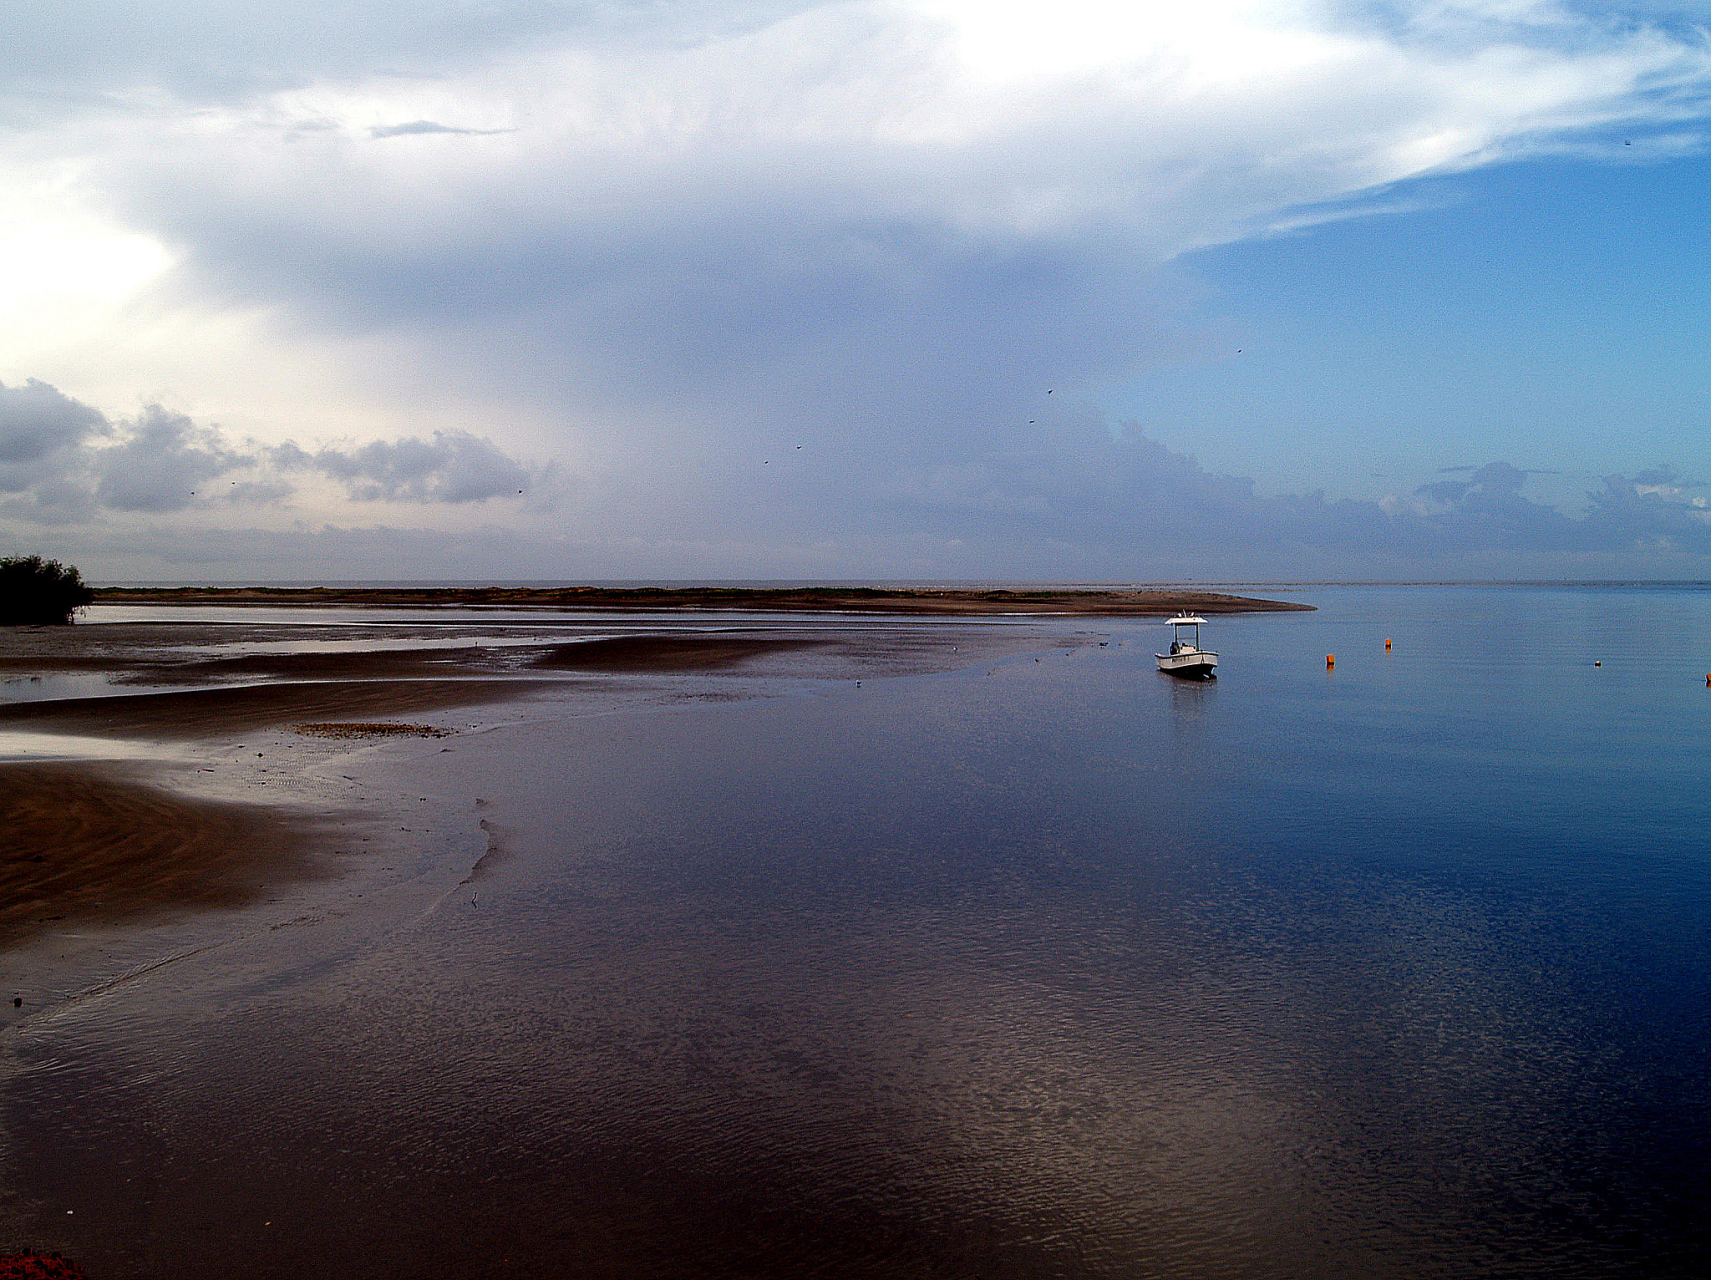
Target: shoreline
[{"x": 913, "y": 602}]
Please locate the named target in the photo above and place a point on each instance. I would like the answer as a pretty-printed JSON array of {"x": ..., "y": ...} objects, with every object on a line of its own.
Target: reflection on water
[
  {"x": 42, "y": 687},
  {"x": 1045, "y": 969},
  {"x": 23, "y": 745}
]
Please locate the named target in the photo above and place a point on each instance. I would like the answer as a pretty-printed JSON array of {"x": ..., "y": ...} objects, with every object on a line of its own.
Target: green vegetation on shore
[
  {"x": 948, "y": 601},
  {"x": 37, "y": 592}
]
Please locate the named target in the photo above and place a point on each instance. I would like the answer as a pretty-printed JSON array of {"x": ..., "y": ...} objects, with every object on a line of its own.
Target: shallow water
[{"x": 1044, "y": 968}]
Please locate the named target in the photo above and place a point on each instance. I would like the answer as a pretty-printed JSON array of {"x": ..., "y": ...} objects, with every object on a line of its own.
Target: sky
[{"x": 879, "y": 289}]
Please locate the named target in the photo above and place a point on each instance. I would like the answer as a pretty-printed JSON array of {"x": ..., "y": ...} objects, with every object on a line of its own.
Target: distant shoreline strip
[{"x": 915, "y": 602}]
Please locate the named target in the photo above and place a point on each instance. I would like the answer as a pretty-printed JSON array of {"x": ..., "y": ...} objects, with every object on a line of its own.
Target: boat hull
[{"x": 1197, "y": 665}]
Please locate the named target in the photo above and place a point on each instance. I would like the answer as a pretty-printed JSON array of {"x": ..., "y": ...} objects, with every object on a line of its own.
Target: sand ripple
[{"x": 83, "y": 844}]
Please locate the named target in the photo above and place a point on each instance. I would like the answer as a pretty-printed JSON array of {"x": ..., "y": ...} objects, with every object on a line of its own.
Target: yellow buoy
[
  {"x": 1387, "y": 644},
  {"x": 1330, "y": 659}
]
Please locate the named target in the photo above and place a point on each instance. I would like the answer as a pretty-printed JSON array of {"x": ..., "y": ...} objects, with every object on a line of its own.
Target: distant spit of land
[{"x": 916, "y": 601}]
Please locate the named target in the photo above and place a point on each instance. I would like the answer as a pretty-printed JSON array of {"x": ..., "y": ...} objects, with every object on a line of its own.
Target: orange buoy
[
  {"x": 1387, "y": 644},
  {"x": 1330, "y": 660}
]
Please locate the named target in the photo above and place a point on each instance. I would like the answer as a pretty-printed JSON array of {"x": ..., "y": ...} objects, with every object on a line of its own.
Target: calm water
[{"x": 1052, "y": 968}]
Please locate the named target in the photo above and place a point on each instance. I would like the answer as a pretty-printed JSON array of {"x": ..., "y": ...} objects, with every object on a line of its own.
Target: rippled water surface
[{"x": 1054, "y": 968}]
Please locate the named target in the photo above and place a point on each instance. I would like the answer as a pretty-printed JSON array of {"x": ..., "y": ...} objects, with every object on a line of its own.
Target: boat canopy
[{"x": 1186, "y": 621}]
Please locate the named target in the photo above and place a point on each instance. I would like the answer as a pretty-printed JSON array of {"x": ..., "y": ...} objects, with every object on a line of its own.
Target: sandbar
[{"x": 1113, "y": 602}]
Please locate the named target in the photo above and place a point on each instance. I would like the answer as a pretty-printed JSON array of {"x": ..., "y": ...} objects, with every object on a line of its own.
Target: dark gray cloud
[
  {"x": 1101, "y": 500},
  {"x": 160, "y": 462},
  {"x": 44, "y": 438},
  {"x": 452, "y": 467},
  {"x": 53, "y": 501},
  {"x": 36, "y": 422}
]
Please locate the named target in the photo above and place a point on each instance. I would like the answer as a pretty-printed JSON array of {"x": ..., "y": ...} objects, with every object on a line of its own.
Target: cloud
[
  {"x": 36, "y": 422},
  {"x": 452, "y": 467},
  {"x": 719, "y": 219},
  {"x": 64, "y": 461},
  {"x": 44, "y": 437},
  {"x": 735, "y": 149},
  {"x": 1098, "y": 500},
  {"x": 1063, "y": 496},
  {"x": 160, "y": 461},
  {"x": 711, "y": 232},
  {"x": 426, "y": 126}
]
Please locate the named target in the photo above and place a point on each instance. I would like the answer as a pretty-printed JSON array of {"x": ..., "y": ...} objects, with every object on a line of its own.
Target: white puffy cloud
[{"x": 64, "y": 461}]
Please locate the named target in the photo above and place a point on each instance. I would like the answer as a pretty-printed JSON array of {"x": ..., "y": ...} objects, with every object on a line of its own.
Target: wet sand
[
  {"x": 104, "y": 841},
  {"x": 666, "y": 652},
  {"x": 91, "y": 844},
  {"x": 201, "y": 713}
]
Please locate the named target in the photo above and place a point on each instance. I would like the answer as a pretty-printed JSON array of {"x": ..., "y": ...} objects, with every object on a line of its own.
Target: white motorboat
[{"x": 1186, "y": 657}]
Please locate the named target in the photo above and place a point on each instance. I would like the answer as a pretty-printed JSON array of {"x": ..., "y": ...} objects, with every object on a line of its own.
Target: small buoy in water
[
  {"x": 1387, "y": 644},
  {"x": 1598, "y": 664},
  {"x": 1330, "y": 660}
]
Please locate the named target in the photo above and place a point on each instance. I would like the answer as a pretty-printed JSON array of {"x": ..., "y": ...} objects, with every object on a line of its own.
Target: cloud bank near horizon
[
  {"x": 1075, "y": 500},
  {"x": 65, "y": 462}
]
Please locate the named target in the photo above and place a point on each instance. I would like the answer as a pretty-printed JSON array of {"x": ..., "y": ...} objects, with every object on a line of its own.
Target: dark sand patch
[
  {"x": 371, "y": 729},
  {"x": 83, "y": 844},
  {"x": 677, "y": 651},
  {"x": 196, "y": 713},
  {"x": 349, "y": 665}
]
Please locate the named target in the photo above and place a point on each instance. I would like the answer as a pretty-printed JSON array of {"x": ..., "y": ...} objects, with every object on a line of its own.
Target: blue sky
[
  {"x": 1551, "y": 314},
  {"x": 872, "y": 288}
]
